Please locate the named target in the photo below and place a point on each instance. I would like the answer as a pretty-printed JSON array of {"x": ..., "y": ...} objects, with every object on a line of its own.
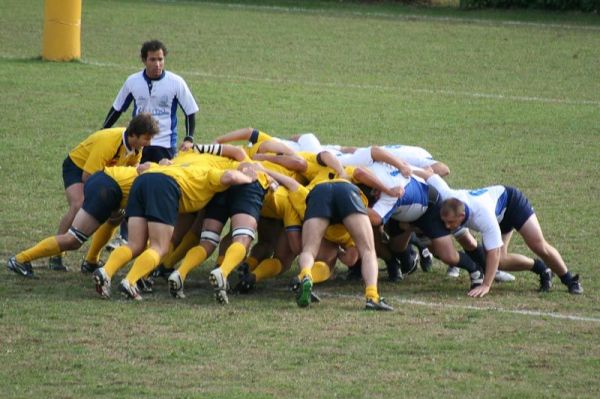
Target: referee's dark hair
[
  {"x": 142, "y": 123},
  {"x": 152, "y": 45}
]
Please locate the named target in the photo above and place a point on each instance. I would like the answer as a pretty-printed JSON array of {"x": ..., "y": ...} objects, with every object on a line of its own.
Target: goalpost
[{"x": 62, "y": 30}]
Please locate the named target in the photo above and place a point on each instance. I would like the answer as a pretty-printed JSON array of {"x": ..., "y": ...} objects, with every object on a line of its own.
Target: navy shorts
[
  {"x": 154, "y": 153},
  {"x": 430, "y": 224},
  {"x": 242, "y": 198},
  {"x": 333, "y": 201},
  {"x": 518, "y": 210},
  {"x": 102, "y": 196},
  {"x": 72, "y": 174},
  {"x": 155, "y": 197}
]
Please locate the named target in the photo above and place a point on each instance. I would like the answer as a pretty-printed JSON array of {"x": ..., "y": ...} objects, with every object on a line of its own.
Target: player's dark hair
[
  {"x": 152, "y": 45},
  {"x": 452, "y": 207},
  {"x": 142, "y": 123}
]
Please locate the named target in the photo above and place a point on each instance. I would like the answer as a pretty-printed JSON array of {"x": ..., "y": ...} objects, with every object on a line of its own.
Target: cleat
[
  {"x": 129, "y": 291},
  {"x": 453, "y": 271},
  {"x": 102, "y": 282},
  {"x": 162, "y": 271},
  {"x": 546, "y": 281},
  {"x": 56, "y": 263},
  {"x": 89, "y": 267},
  {"x": 246, "y": 283},
  {"x": 476, "y": 279},
  {"x": 503, "y": 277},
  {"x": 116, "y": 242},
  {"x": 23, "y": 269},
  {"x": 393, "y": 270},
  {"x": 304, "y": 294},
  {"x": 378, "y": 305},
  {"x": 295, "y": 287},
  {"x": 426, "y": 259},
  {"x": 176, "y": 285},
  {"x": 219, "y": 284},
  {"x": 145, "y": 285},
  {"x": 575, "y": 287}
]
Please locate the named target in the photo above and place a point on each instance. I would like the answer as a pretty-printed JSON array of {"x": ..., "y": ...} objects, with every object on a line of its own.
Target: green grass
[{"x": 506, "y": 97}]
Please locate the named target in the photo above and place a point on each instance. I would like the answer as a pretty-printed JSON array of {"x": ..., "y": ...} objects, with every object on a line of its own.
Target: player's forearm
[
  {"x": 492, "y": 260},
  {"x": 190, "y": 127},
  {"x": 112, "y": 116}
]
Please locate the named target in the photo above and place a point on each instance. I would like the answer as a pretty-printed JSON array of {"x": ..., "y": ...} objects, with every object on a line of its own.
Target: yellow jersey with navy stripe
[
  {"x": 196, "y": 182},
  {"x": 107, "y": 147},
  {"x": 124, "y": 177},
  {"x": 277, "y": 205},
  {"x": 255, "y": 141}
]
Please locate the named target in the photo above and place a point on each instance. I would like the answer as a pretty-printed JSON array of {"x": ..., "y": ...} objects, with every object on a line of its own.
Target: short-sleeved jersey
[
  {"x": 275, "y": 167},
  {"x": 277, "y": 205},
  {"x": 390, "y": 177},
  {"x": 413, "y": 204},
  {"x": 214, "y": 161},
  {"x": 196, "y": 182},
  {"x": 484, "y": 209},
  {"x": 107, "y": 147},
  {"x": 124, "y": 177},
  {"x": 160, "y": 97},
  {"x": 256, "y": 139}
]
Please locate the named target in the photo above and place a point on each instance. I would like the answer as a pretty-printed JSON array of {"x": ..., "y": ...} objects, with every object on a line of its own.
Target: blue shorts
[
  {"x": 242, "y": 198},
  {"x": 518, "y": 210},
  {"x": 72, "y": 174},
  {"x": 333, "y": 201},
  {"x": 102, "y": 196},
  {"x": 155, "y": 197},
  {"x": 154, "y": 153}
]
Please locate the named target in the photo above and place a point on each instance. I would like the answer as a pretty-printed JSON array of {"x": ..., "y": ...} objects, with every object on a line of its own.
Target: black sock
[
  {"x": 477, "y": 255},
  {"x": 566, "y": 278},
  {"x": 539, "y": 266},
  {"x": 465, "y": 262}
]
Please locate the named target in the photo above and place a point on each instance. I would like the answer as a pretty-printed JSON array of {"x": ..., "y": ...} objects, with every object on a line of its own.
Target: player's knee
[
  {"x": 75, "y": 239},
  {"x": 243, "y": 234}
]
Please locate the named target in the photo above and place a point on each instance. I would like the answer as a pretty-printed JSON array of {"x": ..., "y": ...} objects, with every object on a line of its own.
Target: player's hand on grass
[{"x": 480, "y": 291}]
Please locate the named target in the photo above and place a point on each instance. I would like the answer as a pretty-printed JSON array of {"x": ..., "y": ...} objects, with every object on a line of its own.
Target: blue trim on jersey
[
  {"x": 467, "y": 214},
  {"x": 174, "y": 122},
  {"x": 127, "y": 102},
  {"x": 415, "y": 192},
  {"x": 502, "y": 203}
]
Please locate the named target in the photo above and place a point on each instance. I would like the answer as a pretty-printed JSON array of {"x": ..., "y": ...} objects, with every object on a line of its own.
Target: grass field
[{"x": 502, "y": 97}]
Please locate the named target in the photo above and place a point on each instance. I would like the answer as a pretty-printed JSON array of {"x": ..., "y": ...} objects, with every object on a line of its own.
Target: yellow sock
[
  {"x": 371, "y": 293},
  {"x": 252, "y": 263},
  {"x": 305, "y": 272},
  {"x": 267, "y": 268},
  {"x": 220, "y": 260},
  {"x": 99, "y": 240},
  {"x": 320, "y": 272},
  {"x": 143, "y": 265},
  {"x": 234, "y": 255},
  {"x": 193, "y": 258},
  {"x": 117, "y": 259},
  {"x": 46, "y": 247},
  {"x": 189, "y": 241}
]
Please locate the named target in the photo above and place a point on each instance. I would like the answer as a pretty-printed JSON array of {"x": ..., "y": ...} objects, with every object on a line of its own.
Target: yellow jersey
[
  {"x": 107, "y": 147},
  {"x": 124, "y": 177},
  {"x": 277, "y": 205},
  {"x": 197, "y": 183}
]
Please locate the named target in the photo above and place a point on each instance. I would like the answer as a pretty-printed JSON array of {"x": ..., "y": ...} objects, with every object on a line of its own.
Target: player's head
[
  {"x": 140, "y": 131},
  {"x": 153, "y": 55},
  {"x": 452, "y": 213}
]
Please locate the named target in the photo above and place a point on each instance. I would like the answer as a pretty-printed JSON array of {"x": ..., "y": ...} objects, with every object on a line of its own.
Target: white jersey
[
  {"x": 390, "y": 177},
  {"x": 484, "y": 209},
  {"x": 415, "y": 156},
  {"x": 161, "y": 98},
  {"x": 307, "y": 142},
  {"x": 413, "y": 204}
]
